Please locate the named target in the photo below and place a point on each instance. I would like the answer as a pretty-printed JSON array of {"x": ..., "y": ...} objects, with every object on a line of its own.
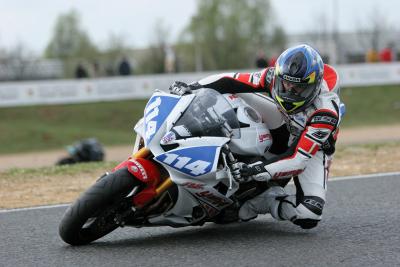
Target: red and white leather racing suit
[{"x": 304, "y": 141}]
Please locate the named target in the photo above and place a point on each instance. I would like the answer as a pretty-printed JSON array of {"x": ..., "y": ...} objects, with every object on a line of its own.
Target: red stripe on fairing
[{"x": 322, "y": 125}]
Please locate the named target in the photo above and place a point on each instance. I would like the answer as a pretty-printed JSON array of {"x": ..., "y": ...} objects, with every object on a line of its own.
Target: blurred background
[
  {"x": 63, "y": 62},
  {"x": 80, "y": 39}
]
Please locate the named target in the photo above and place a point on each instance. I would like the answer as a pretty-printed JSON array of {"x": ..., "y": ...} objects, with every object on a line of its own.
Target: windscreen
[{"x": 209, "y": 114}]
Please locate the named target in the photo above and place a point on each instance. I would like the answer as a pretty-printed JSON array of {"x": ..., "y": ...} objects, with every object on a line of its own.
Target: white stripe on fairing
[{"x": 336, "y": 179}]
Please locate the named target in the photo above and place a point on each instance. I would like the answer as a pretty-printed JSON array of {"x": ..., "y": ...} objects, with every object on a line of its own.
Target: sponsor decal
[
  {"x": 287, "y": 174},
  {"x": 291, "y": 79},
  {"x": 170, "y": 136},
  {"x": 264, "y": 137},
  {"x": 320, "y": 134},
  {"x": 324, "y": 119},
  {"x": 314, "y": 203},
  {"x": 233, "y": 97},
  {"x": 269, "y": 76},
  {"x": 193, "y": 185},
  {"x": 138, "y": 168}
]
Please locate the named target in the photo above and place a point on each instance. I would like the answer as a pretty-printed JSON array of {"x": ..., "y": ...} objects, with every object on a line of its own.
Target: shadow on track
[{"x": 229, "y": 234}]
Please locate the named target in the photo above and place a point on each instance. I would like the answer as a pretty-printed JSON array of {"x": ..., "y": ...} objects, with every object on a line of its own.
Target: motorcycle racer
[{"x": 302, "y": 110}]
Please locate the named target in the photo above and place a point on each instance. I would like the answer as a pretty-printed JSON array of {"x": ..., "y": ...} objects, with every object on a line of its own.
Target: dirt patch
[{"x": 23, "y": 191}]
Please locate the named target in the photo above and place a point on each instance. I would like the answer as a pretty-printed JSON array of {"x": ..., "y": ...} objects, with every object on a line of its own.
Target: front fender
[{"x": 143, "y": 169}]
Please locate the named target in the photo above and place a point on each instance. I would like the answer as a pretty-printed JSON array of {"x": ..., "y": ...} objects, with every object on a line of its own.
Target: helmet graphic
[{"x": 298, "y": 75}]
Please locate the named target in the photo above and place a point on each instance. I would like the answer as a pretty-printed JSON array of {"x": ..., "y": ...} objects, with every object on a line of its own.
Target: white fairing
[
  {"x": 255, "y": 139},
  {"x": 173, "y": 129}
]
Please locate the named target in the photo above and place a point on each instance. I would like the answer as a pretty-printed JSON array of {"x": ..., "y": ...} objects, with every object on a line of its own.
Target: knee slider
[
  {"x": 309, "y": 212},
  {"x": 313, "y": 204},
  {"x": 306, "y": 223}
]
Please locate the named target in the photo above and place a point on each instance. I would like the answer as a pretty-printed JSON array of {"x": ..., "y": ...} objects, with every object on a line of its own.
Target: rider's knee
[{"x": 309, "y": 212}]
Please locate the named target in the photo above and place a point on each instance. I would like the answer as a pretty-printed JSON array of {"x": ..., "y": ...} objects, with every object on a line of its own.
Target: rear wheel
[{"x": 94, "y": 213}]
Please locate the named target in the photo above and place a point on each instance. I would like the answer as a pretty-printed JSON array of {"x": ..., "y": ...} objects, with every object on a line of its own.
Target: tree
[
  {"x": 18, "y": 63},
  {"x": 70, "y": 40},
  {"x": 227, "y": 33},
  {"x": 375, "y": 33},
  {"x": 153, "y": 60}
]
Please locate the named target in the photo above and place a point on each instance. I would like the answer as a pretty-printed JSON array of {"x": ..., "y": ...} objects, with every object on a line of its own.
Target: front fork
[{"x": 148, "y": 172}]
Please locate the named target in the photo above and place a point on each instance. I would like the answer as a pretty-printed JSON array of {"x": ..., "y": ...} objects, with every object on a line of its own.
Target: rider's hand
[
  {"x": 255, "y": 171},
  {"x": 179, "y": 88}
]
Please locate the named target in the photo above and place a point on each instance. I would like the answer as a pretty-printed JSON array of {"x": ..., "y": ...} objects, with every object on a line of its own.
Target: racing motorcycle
[{"x": 183, "y": 171}]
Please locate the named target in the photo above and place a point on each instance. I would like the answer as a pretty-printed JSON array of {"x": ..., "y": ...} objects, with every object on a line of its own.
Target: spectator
[
  {"x": 372, "y": 56},
  {"x": 96, "y": 69},
  {"x": 124, "y": 67},
  {"x": 170, "y": 60},
  {"x": 261, "y": 60},
  {"x": 81, "y": 72},
  {"x": 386, "y": 54}
]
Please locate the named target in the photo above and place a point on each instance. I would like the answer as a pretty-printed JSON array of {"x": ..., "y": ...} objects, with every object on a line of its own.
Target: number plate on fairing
[
  {"x": 193, "y": 161},
  {"x": 157, "y": 110}
]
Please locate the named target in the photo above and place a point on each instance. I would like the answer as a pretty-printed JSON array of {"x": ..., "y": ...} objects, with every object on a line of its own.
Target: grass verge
[
  {"x": 62, "y": 184},
  {"x": 24, "y": 129}
]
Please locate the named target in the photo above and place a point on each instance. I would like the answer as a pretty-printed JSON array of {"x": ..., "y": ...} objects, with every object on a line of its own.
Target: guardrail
[{"x": 140, "y": 87}]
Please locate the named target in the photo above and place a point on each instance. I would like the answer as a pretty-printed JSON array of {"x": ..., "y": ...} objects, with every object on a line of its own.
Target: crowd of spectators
[
  {"x": 387, "y": 54},
  {"x": 123, "y": 68}
]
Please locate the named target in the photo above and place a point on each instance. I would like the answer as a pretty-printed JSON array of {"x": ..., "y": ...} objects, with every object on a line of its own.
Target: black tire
[{"x": 97, "y": 203}]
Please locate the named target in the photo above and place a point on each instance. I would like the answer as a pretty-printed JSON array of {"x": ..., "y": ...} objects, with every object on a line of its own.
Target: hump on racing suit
[{"x": 321, "y": 118}]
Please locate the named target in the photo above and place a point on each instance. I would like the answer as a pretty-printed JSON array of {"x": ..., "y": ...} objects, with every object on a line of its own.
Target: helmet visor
[{"x": 294, "y": 91}]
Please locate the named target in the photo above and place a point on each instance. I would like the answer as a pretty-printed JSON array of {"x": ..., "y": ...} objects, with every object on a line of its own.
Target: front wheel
[{"x": 93, "y": 214}]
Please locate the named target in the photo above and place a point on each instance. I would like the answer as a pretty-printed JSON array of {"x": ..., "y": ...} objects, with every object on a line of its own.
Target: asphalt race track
[{"x": 361, "y": 227}]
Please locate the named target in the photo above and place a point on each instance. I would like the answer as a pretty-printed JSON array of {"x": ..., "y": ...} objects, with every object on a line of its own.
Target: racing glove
[
  {"x": 180, "y": 88},
  {"x": 255, "y": 171}
]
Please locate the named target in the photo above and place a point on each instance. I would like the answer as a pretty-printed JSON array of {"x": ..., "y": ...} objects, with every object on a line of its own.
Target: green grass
[
  {"x": 101, "y": 167},
  {"x": 53, "y": 127},
  {"x": 371, "y": 105},
  {"x": 53, "y": 171}
]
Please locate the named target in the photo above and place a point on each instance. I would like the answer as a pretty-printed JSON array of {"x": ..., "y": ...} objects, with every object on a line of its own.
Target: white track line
[
  {"x": 365, "y": 176},
  {"x": 34, "y": 208},
  {"x": 336, "y": 179}
]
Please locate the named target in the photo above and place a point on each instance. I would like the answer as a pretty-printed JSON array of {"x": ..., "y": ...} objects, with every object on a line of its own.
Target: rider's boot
[{"x": 264, "y": 203}]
